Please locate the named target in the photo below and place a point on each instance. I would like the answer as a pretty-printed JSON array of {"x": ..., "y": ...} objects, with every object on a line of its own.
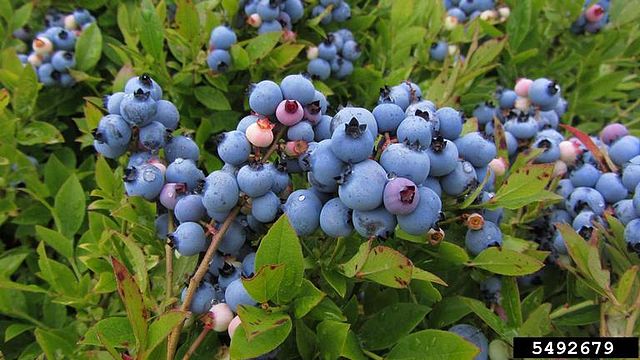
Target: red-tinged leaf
[
  {"x": 603, "y": 163},
  {"x": 133, "y": 302}
]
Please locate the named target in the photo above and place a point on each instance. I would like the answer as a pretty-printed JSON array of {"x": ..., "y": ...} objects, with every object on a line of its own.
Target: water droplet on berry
[
  {"x": 149, "y": 175},
  {"x": 301, "y": 198}
]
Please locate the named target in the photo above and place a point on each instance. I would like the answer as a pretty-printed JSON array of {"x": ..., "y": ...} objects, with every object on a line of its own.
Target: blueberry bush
[{"x": 289, "y": 179}]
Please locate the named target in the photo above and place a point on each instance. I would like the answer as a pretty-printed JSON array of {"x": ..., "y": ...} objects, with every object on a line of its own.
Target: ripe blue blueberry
[
  {"x": 265, "y": 208},
  {"x": 181, "y": 147},
  {"x": 443, "y": 156},
  {"x": 153, "y": 136},
  {"x": 221, "y": 192},
  {"x": 363, "y": 115},
  {"x": 233, "y": 239},
  {"x": 188, "y": 239},
  {"x": 166, "y": 114},
  {"x": 439, "y": 50},
  {"x": 146, "y": 83},
  {"x": 233, "y": 147},
  {"x": 473, "y": 334},
  {"x": 265, "y": 97},
  {"x": 460, "y": 179},
  {"x": 478, "y": 240},
  {"x": 236, "y": 295},
  {"x": 303, "y": 210},
  {"x": 477, "y": 150},
  {"x": 222, "y": 37},
  {"x": 584, "y": 198},
  {"x": 189, "y": 208},
  {"x": 184, "y": 171},
  {"x": 363, "y": 185},
  {"x": 202, "y": 299},
  {"x": 624, "y": 149},
  {"x": 611, "y": 188},
  {"x": 406, "y": 161},
  {"x": 378, "y": 222},
  {"x": 146, "y": 181},
  {"x": 544, "y": 93},
  {"x": 352, "y": 142},
  {"x": 586, "y": 175},
  {"x": 297, "y": 87},
  {"x": 219, "y": 61},
  {"x": 335, "y": 219},
  {"x": 426, "y": 214},
  {"x": 138, "y": 108},
  {"x": 254, "y": 180},
  {"x": 388, "y": 116}
]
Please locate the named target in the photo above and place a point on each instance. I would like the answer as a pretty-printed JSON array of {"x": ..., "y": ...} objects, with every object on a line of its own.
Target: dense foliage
[{"x": 83, "y": 273}]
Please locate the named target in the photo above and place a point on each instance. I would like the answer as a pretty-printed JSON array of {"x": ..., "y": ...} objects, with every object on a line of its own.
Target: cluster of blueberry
[
  {"x": 273, "y": 15},
  {"x": 461, "y": 11},
  {"x": 334, "y": 10},
  {"x": 334, "y": 56},
  {"x": 53, "y": 49},
  {"x": 593, "y": 18},
  {"x": 591, "y": 189},
  {"x": 220, "y": 41}
]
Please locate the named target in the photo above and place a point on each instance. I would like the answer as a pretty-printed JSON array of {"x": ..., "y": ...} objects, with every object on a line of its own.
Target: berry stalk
[
  {"x": 197, "y": 278},
  {"x": 196, "y": 343}
]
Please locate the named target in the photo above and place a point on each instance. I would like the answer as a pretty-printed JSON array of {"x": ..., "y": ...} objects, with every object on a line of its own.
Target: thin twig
[
  {"x": 197, "y": 278},
  {"x": 194, "y": 346},
  {"x": 274, "y": 144},
  {"x": 168, "y": 254}
]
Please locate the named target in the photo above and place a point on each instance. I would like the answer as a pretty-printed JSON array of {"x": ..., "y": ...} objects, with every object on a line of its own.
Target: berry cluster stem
[
  {"x": 274, "y": 145},
  {"x": 197, "y": 278},
  {"x": 168, "y": 254},
  {"x": 196, "y": 343}
]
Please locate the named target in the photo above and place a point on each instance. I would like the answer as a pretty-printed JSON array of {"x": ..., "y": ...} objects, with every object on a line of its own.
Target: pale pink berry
[
  {"x": 296, "y": 148},
  {"x": 289, "y": 36},
  {"x": 259, "y": 133},
  {"x": 560, "y": 169},
  {"x": 42, "y": 45},
  {"x": 35, "y": 60},
  {"x": 594, "y": 13},
  {"x": 233, "y": 325},
  {"x": 504, "y": 12},
  {"x": 450, "y": 22},
  {"x": 522, "y": 87},
  {"x": 221, "y": 316},
  {"x": 522, "y": 103},
  {"x": 254, "y": 20},
  {"x": 569, "y": 151},
  {"x": 169, "y": 194},
  {"x": 289, "y": 112},
  {"x": 498, "y": 166},
  {"x": 312, "y": 53},
  {"x": 70, "y": 22},
  {"x": 488, "y": 15}
]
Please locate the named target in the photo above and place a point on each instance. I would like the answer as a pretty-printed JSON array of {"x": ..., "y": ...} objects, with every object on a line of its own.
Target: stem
[
  {"x": 168, "y": 254},
  {"x": 274, "y": 144},
  {"x": 631, "y": 320},
  {"x": 372, "y": 355},
  {"x": 196, "y": 343},
  {"x": 195, "y": 280}
]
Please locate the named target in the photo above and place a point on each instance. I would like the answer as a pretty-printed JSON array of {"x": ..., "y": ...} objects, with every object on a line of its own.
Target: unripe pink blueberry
[
  {"x": 169, "y": 194},
  {"x": 488, "y": 15},
  {"x": 522, "y": 103},
  {"x": 35, "y": 60},
  {"x": 559, "y": 169},
  {"x": 450, "y": 22},
  {"x": 569, "y": 151},
  {"x": 254, "y": 20},
  {"x": 296, "y": 148},
  {"x": 288, "y": 36},
  {"x": 70, "y": 22},
  {"x": 259, "y": 133},
  {"x": 522, "y": 87},
  {"x": 312, "y": 53},
  {"x": 233, "y": 325},
  {"x": 221, "y": 316},
  {"x": 613, "y": 132},
  {"x": 42, "y": 45},
  {"x": 498, "y": 166},
  {"x": 289, "y": 112},
  {"x": 504, "y": 12},
  {"x": 401, "y": 196},
  {"x": 594, "y": 13}
]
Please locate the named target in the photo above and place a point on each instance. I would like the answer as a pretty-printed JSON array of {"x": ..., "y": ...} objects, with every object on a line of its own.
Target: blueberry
[
  {"x": 433, "y": 184},
  {"x": 236, "y": 295},
  {"x": 219, "y": 61},
  {"x": 319, "y": 69},
  {"x": 473, "y": 334},
  {"x": 265, "y": 97},
  {"x": 189, "y": 239},
  {"x": 295, "y": 9},
  {"x": 341, "y": 13},
  {"x": 460, "y": 179},
  {"x": 166, "y": 114},
  {"x": 221, "y": 192},
  {"x": 47, "y": 74},
  {"x": 345, "y": 69},
  {"x": 401, "y": 196},
  {"x": 269, "y": 26},
  {"x": 363, "y": 186},
  {"x": 222, "y": 37},
  {"x": 495, "y": 216},
  {"x": 280, "y": 177},
  {"x": 233, "y": 239},
  {"x": 181, "y": 147},
  {"x": 265, "y": 208},
  {"x": 544, "y": 93},
  {"x": 417, "y": 129},
  {"x": 584, "y": 222},
  {"x": 63, "y": 60},
  {"x": 426, "y": 214},
  {"x": 254, "y": 180},
  {"x": 507, "y": 98},
  {"x": 559, "y": 216},
  {"x": 322, "y": 129},
  {"x": 388, "y": 116},
  {"x": 584, "y": 198},
  {"x": 140, "y": 158},
  {"x": 299, "y": 88},
  {"x": 352, "y": 142},
  {"x": 478, "y": 240},
  {"x": 484, "y": 113},
  {"x": 233, "y": 147},
  {"x": 565, "y": 188},
  {"x": 301, "y": 131},
  {"x": 249, "y": 264},
  {"x": 202, "y": 299},
  {"x": 378, "y": 222},
  {"x": 153, "y": 136},
  {"x": 63, "y": 39},
  {"x": 146, "y": 83},
  {"x": 161, "y": 225},
  {"x": 522, "y": 128},
  {"x": 474, "y": 148},
  {"x": 586, "y": 175},
  {"x": 406, "y": 161},
  {"x": 611, "y": 188},
  {"x": 458, "y": 14},
  {"x": 112, "y": 102},
  {"x": 551, "y": 151},
  {"x": 490, "y": 289},
  {"x": 184, "y": 171},
  {"x": 303, "y": 210},
  {"x": 631, "y": 173},
  {"x": 364, "y": 116},
  {"x": 450, "y": 121},
  {"x": 228, "y": 274},
  {"x": 443, "y": 157},
  {"x": 216, "y": 264},
  {"x": 113, "y": 131},
  {"x": 624, "y": 149},
  {"x": 138, "y": 108},
  {"x": 351, "y": 50},
  {"x": 558, "y": 243},
  {"x": 439, "y": 50},
  {"x": 632, "y": 235},
  {"x": 146, "y": 181},
  {"x": 189, "y": 208},
  {"x": 327, "y": 50},
  {"x": 548, "y": 120},
  {"x": 335, "y": 219},
  {"x": 268, "y": 10}
]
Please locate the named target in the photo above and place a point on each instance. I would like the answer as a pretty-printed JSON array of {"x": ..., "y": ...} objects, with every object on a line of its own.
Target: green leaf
[
  {"x": 308, "y": 298},
  {"x": 390, "y": 324},
  {"x": 88, "y": 48},
  {"x": 353, "y": 265},
  {"x": 506, "y": 262},
  {"x": 261, "y": 45},
  {"x": 332, "y": 336},
  {"x": 448, "y": 311},
  {"x": 38, "y": 132},
  {"x": 161, "y": 327},
  {"x": 59, "y": 276},
  {"x": 264, "y": 285},
  {"x": 282, "y": 246},
  {"x": 532, "y": 301},
  {"x": 55, "y": 174},
  {"x": 133, "y": 302},
  {"x": 440, "y": 345},
  {"x": 14, "y": 330},
  {"x": 327, "y": 310},
  {"x": 10, "y": 262},
  {"x": 285, "y": 54},
  {"x": 212, "y": 98},
  {"x": 491, "y": 319},
  {"x": 511, "y": 301},
  {"x": 525, "y": 186},
  {"x": 53, "y": 345},
  {"x": 57, "y": 241},
  {"x": 305, "y": 340},
  {"x": 335, "y": 280},
  {"x": 519, "y": 24},
  {"x": 386, "y": 266},
  {"x": 538, "y": 323},
  {"x": 69, "y": 207},
  {"x": 486, "y": 53},
  {"x": 230, "y": 7},
  {"x": 420, "y": 274},
  {"x": 188, "y": 20},
  {"x": 240, "y": 57},
  {"x": 151, "y": 31},
  {"x": 26, "y": 93},
  {"x": 106, "y": 178},
  {"x": 580, "y": 252},
  {"x": 115, "y": 331},
  {"x": 267, "y": 332}
]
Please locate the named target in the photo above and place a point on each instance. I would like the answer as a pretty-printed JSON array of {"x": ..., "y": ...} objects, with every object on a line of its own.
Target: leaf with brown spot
[
  {"x": 268, "y": 320},
  {"x": 382, "y": 267},
  {"x": 264, "y": 285},
  {"x": 133, "y": 302},
  {"x": 525, "y": 186}
]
